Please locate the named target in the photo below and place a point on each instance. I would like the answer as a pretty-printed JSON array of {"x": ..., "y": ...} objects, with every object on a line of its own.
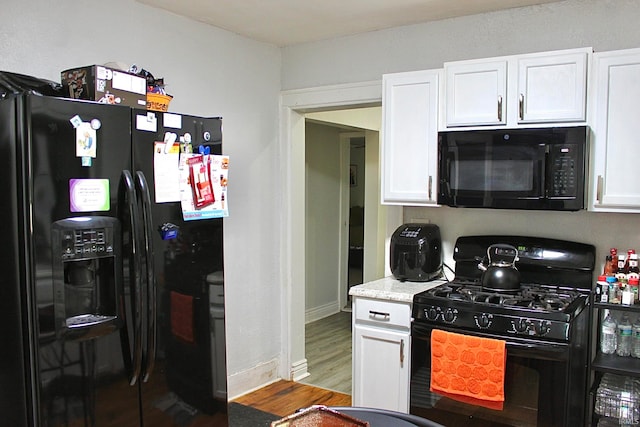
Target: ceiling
[{"x": 288, "y": 22}]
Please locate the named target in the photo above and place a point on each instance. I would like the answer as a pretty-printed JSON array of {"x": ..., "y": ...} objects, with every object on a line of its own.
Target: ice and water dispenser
[{"x": 87, "y": 271}]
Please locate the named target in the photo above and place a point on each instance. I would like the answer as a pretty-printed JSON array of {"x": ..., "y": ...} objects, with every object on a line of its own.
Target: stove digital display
[{"x": 531, "y": 252}]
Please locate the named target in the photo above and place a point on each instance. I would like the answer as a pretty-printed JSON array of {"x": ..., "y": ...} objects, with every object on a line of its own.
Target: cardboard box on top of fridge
[{"x": 106, "y": 85}]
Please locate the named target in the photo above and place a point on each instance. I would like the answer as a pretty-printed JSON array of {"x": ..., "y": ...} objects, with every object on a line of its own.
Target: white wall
[
  {"x": 602, "y": 24},
  {"x": 210, "y": 72},
  {"x": 322, "y": 235}
]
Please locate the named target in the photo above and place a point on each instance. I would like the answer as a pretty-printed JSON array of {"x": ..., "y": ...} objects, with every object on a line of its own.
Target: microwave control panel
[{"x": 565, "y": 173}]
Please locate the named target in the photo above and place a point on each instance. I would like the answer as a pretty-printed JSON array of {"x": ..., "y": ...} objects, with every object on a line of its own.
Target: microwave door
[
  {"x": 515, "y": 173},
  {"x": 496, "y": 174}
]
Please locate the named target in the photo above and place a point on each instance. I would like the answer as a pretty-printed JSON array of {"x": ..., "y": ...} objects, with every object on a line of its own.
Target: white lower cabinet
[{"x": 381, "y": 354}]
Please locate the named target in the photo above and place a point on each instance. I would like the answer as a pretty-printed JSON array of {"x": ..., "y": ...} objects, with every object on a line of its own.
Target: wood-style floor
[
  {"x": 284, "y": 398},
  {"x": 328, "y": 352}
]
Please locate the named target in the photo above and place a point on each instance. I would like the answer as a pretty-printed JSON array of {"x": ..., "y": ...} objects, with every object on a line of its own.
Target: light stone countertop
[{"x": 391, "y": 289}]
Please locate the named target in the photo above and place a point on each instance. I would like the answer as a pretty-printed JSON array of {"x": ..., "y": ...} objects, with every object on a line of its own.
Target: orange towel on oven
[
  {"x": 182, "y": 316},
  {"x": 468, "y": 369}
]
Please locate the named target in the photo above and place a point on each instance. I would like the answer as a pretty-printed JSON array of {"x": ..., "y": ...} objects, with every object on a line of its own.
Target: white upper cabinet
[
  {"x": 409, "y": 151},
  {"x": 616, "y": 130},
  {"x": 476, "y": 93},
  {"x": 547, "y": 87},
  {"x": 552, "y": 87}
]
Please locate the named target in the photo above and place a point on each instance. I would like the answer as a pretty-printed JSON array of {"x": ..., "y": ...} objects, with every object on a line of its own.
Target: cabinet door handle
[
  {"x": 430, "y": 186},
  {"x": 599, "y": 189},
  {"x": 379, "y": 314},
  {"x": 401, "y": 352},
  {"x": 521, "y": 107},
  {"x": 499, "y": 108}
]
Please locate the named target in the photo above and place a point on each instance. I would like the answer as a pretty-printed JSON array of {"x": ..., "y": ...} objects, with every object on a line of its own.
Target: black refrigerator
[{"x": 111, "y": 305}]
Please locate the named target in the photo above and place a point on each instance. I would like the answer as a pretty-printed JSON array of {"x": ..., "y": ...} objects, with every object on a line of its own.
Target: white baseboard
[
  {"x": 252, "y": 379},
  {"x": 299, "y": 370},
  {"x": 321, "y": 312}
]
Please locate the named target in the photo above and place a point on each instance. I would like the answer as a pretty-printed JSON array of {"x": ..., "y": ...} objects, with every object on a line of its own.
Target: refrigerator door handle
[
  {"x": 143, "y": 191},
  {"x": 128, "y": 213}
]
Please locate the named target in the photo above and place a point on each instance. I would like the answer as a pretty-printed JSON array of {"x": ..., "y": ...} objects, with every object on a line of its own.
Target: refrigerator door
[
  {"x": 72, "y": 162},
  {"x": 188, "y": 379},
  {"x": 16, "y": 376}
]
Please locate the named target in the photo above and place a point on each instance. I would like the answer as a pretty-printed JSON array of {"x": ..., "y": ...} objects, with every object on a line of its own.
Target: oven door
[
  {"x": 491, "y": 169},
  {"x": 545, "y": 385}
]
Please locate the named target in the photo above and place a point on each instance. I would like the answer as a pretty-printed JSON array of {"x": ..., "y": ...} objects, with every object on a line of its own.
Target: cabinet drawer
[{"x": 383, "y": 313}]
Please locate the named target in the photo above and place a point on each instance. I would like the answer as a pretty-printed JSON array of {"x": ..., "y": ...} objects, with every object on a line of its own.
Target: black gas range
[
  {"x": 538, "y": 311},
  {"x": 545, "y": 323},
  {"x": 556, "y": 280}
]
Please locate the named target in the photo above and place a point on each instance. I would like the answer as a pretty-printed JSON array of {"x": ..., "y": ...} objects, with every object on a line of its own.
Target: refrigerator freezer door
[{"x": 73, "y": 152}]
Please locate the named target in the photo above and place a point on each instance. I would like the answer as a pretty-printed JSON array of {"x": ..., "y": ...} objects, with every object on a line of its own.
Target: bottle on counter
[
  {"x": 621, "y": 271},
  {"x": 602, "y": 289},
  {"x": 633, "y": 271},
  {"x": 626, "y": 294},
  {"x": 625, "y": 336},
  {"x": 609, "y": 269},
  {"x": 614, "y": 258},
  {"x": 608, "y": 334},
  {"x": 628, "y": 257},
  {"x": 634, "y": 283},
  {"x": 614, "y": 290},
  {"x": 635, "y": 350}
]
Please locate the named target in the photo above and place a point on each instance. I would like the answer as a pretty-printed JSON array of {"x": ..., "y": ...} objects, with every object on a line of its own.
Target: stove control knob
[
  {"x": 483, "y": 321},
  {"x": 521, "y": 325},
  {"x": 450, "y": 315},
  {"x": 431, "y": 313},
  {"x": 542, "y": 327}
]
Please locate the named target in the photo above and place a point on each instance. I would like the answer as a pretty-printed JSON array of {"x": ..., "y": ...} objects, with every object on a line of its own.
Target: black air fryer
[{"x": 416, "y": 253}]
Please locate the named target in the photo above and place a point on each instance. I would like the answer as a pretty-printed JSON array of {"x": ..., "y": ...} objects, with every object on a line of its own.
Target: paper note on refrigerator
[{"x": 166, "y": 172}]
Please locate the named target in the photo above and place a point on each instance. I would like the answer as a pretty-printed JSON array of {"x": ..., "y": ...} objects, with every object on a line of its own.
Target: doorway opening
[
  {"x": 336, "y": 167},
  {"x": 355, "y": 259},
  {"x": 299, "y": 106}
]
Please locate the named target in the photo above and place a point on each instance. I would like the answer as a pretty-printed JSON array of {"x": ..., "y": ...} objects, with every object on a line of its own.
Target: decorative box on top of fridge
[{"x": 106, "y": 85}]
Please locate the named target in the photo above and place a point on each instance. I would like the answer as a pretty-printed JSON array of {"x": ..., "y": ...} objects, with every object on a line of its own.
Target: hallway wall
[{"x": 322, "y": 235}]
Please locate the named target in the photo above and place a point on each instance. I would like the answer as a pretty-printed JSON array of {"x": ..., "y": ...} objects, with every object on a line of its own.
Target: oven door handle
[{"x": 422, "y": 332}]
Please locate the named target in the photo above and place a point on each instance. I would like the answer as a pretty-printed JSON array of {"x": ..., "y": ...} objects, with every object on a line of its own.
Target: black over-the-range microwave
[{"x": 541, "y": 168}]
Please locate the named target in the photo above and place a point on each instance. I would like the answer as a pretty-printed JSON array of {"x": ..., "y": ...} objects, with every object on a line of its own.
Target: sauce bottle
[
  {"x": 633, "y": 271},
  {"x": 608, "y": 266},
  {"x": 621, "y": 273}
]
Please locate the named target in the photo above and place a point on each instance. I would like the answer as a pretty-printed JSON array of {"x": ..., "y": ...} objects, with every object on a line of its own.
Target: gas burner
[
  {"x": 545, "y": 298},
  {"x": 442, "y": 291},
  {"x": 545, "y": 304}
]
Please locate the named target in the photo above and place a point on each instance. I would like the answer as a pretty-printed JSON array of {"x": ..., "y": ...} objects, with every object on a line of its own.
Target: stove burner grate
[{"x": 546, "y": 298}]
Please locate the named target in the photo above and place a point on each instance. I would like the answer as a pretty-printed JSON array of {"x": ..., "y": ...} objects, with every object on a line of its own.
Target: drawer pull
[{"x": 379, "y": 314}]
